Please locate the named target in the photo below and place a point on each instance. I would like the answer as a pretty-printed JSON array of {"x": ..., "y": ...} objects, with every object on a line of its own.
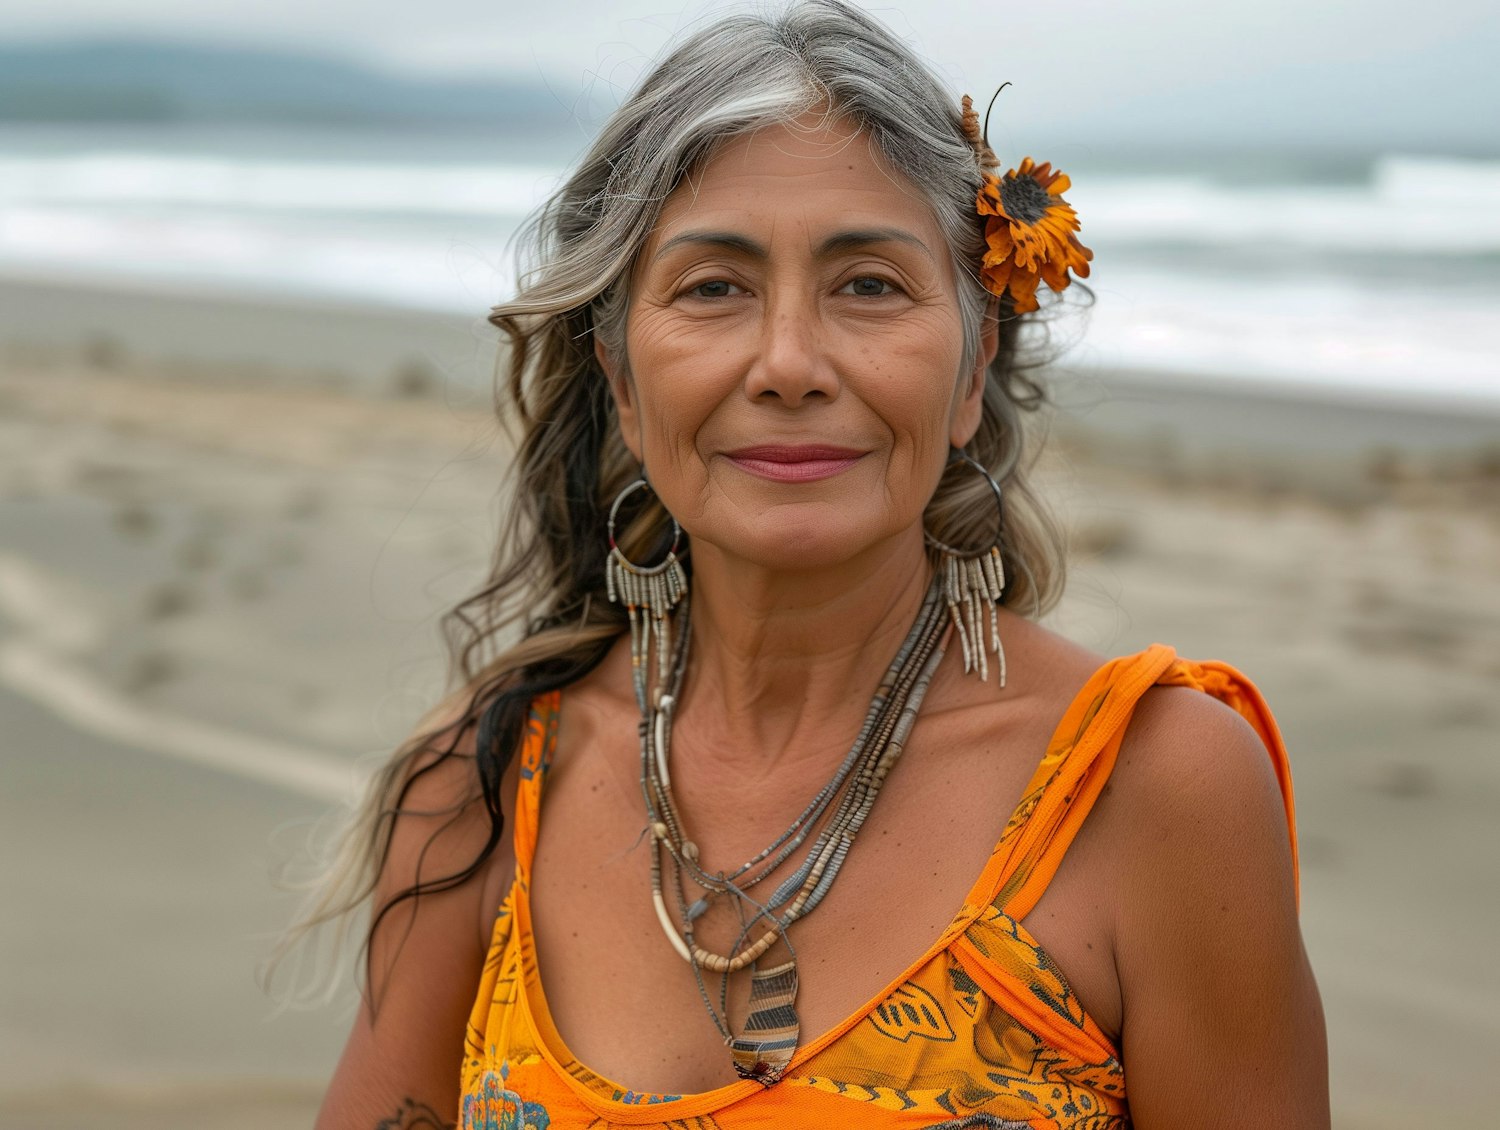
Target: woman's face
[{"x": 793, "y": 342}]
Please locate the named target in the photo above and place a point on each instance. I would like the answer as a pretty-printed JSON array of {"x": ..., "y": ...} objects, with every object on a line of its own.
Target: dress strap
[
  {"x": 1082, "y": 754},
  {"x": 537, "y": 744}
]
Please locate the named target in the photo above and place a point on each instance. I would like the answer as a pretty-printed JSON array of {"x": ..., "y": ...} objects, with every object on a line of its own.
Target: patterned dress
[{"x": 980, "y": 1031}]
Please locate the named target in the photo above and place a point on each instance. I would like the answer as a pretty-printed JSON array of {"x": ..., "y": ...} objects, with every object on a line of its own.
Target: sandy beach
[{"x": 227, "y": 529}]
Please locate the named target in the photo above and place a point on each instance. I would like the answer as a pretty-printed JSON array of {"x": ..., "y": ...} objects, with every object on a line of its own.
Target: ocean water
[{"x": 1379, "y": 276}]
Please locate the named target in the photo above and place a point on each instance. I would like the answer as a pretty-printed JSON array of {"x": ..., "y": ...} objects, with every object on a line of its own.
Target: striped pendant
[{"x": 766, "y": 1046}]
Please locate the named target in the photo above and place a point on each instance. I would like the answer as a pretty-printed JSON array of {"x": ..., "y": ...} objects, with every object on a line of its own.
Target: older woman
[{"x": 793, "y": 817}]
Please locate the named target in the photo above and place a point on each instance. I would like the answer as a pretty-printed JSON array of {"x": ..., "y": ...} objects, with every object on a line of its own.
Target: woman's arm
[
  {"x": 400, "y": 1067},
  {"x": 1222, "y": 1022}
]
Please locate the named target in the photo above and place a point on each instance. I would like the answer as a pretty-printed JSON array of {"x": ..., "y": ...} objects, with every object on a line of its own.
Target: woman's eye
[
  {"x": 868, "y": 286},
  {"x": 714, "y": 288}
]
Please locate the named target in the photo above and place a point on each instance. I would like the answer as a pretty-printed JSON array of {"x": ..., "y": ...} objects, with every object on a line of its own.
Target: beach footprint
[
  {"x": 197, "y": 553},
  {"x": 148, "y": 670},
  {"x": 168, "y": 599},
  {"x": 136, "y": 520},
  {"x": 1407, "y": 780}
]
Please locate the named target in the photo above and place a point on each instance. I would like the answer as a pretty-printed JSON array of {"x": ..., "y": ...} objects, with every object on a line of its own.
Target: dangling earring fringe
[
  {"x": 649, "y": 594},
  {"x": 974, "y": 583},
  {"x": 968, "y": 583}
]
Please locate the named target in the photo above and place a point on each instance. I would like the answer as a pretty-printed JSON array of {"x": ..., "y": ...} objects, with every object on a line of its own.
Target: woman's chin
[{"x": 791, "y": 541}]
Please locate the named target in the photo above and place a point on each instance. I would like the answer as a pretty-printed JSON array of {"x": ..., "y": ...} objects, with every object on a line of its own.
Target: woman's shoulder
[
  {"x": 1045, "y": 666},
  {"x": 1202, "y": 753},
  {"x": 1199, "y": 771},
  {"x": 1187, "y": 754},
  {"x": 1197, "y": 811},
  {"x": 440, "y": 823},
  {"x": 1197, "y": 738},
  {"x": 425, "y": 954},
  {"x": 1179, "y": 711},
  {"x": 1198, "y": 820}
]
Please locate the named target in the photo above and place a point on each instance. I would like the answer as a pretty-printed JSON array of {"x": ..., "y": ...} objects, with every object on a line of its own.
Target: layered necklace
[{"x": 770, "y": 1035}]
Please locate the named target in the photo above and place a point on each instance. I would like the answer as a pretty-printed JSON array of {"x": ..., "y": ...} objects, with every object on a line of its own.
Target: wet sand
[{"x": 219, "y": 577}]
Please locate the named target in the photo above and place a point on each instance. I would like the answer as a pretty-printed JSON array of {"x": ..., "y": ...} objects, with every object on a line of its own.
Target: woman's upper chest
[{"x": 630, "y": 1009}]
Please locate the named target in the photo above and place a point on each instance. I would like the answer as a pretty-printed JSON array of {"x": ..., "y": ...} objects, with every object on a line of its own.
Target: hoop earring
[
  {"x": 649, "y": 594},
  {"x": 972, "y": 578}
]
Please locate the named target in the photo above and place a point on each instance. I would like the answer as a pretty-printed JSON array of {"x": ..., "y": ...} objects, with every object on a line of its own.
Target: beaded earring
[
  {"x": 649, "y": 594},
  {"x": 972, "y": 579}
]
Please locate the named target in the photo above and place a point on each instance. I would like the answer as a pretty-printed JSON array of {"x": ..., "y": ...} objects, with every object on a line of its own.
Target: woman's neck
[{"x": 784, "y": 664}]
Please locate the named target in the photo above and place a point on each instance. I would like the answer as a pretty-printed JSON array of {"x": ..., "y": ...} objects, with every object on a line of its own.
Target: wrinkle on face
[{"x": 754, "y": 319}]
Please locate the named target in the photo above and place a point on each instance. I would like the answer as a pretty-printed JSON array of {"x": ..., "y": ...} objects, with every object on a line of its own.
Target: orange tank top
[{"x": 982, "y": 1030}]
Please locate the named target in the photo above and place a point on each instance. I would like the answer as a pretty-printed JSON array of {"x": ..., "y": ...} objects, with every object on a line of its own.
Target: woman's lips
[{"x": 801, "y": 463}]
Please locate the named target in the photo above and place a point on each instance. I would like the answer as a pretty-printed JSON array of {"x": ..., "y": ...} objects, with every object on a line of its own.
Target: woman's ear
[
  {"x": 969, "y": 405},
  {"x": 623, "y": 391}
]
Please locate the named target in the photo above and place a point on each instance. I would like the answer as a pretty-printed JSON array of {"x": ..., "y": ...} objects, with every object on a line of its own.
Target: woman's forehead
[{"x": 811, "y": 174}]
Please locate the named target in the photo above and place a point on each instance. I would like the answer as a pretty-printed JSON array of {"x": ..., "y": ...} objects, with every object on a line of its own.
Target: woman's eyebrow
[
  {"x": 864, "y": 237},
  {"x": 724, "y": 240},
  {"x": 837, "y": 242}
]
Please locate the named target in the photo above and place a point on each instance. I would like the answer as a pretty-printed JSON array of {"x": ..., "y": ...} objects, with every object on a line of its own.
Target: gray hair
[
  {"x": 542, "y": 619},
  {"x": 735, "y": 76}
]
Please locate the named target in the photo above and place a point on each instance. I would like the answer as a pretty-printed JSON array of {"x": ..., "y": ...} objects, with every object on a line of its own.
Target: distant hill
[{"x": 143, "y": 81}]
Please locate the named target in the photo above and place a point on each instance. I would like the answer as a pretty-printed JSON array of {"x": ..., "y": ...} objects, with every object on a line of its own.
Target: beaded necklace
[{"x": 769, "y": 1040}]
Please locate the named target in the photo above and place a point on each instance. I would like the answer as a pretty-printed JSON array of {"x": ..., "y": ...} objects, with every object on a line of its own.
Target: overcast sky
[{"x": 1384, "y": 73}]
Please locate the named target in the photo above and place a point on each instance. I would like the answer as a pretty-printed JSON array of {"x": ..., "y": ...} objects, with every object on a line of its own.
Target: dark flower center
[{"x": 1023, "y": 199}]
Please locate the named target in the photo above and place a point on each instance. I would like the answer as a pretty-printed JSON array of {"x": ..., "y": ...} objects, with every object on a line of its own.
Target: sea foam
[{"x": 1388, "y": 282}]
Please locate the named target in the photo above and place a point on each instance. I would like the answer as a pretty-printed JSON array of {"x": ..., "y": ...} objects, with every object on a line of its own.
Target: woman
[{"x": 833, "y": 833}]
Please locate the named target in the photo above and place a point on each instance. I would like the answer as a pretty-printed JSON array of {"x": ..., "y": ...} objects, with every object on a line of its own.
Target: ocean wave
[
  {"x": 1406, "y": 206},
  {"x": 1474, "y": 185},
  {"x": 1320, "y": 332},
  {"x": 123, "y": 179},
  {"x": 1189, "y": 276},
  {"x": 435, "y": 268}
]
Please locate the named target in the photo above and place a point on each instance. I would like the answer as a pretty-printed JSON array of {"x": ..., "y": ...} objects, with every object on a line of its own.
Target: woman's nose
[{"x": 793, "y": 363}]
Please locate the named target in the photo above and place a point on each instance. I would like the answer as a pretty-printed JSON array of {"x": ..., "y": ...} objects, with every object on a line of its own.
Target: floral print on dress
[
  {"x": 490, "y": 1106},
  {"x": 983, "y": 1032}
]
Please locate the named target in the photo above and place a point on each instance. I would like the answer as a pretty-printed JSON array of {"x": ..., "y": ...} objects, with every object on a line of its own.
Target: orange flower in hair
[
  {"x": 1028, "y": 234},
  {"x": 1029, "y": 228}
]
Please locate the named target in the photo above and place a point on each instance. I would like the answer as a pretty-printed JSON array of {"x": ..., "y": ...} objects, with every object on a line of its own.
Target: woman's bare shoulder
[
  {"x": 1215, "y": 984},
  {"x": 1179, "y": 739},
  {"x": 425, "y": 953},
  {"x": 1192, "y": 802},
  {"x": 1045, "y": 665},
  {"x": 443, "y": 823},
  {"x": 598, "y": 709},
  {"x": 1191, "y": 769}
]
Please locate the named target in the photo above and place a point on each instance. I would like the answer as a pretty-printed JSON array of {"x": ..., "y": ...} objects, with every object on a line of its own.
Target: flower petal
[
  {"x": 1023, "y": 292},
  {"x": 1020, "y": 255}
]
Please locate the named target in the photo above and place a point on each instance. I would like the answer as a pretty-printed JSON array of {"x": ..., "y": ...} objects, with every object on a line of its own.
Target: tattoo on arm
[{"x": 414, "y": 1116}]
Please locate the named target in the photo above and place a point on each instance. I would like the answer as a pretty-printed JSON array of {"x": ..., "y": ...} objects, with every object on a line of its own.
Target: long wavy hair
[{"x": 542, "y": 619}]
